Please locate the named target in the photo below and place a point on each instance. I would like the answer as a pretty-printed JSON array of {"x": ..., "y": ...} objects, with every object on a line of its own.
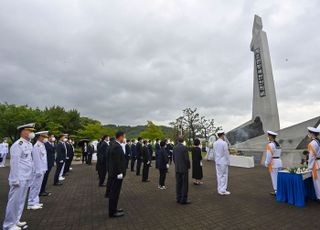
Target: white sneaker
[
  {"x": 15, "y": 227},
  {"x": 221, "y": 193},
  {"x": 21, "y": 224},
  {"x": 62, "y": 178},
  {"x": 34, "y": 207},
  {"x": 159, "y": 186},
  {"x": 70, "y": 169},
  {"x": 227, "y": 193}
]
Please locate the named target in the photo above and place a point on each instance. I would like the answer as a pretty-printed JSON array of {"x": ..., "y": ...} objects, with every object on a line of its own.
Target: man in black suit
[
  {"x": 128, "y": 153},
  {"x": 70, "y": 155},
  {"x": 111, "y": 142},
  {"x": 150, "y": 149},
  {"x": 90, "y": 153},
  {"x": 157, "y": 146},
  {"x": 61, "y": 157},
  {"x": 85, "y": 152},
  {"x": 139, "y": 155},
  {"x": 146, "y": 161},
  {"x": 51, "y": 150},
  {"x": 117, "y": 171},
  {"x": 102, "y": 159},
  {"x": 182, "y": 165},
  {"x": 133, "y": 154}
]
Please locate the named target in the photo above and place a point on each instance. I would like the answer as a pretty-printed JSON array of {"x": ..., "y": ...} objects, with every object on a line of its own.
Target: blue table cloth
[{"x": 293, "y": 189}]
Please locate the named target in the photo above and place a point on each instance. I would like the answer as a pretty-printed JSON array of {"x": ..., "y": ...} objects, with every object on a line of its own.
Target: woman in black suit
[
  {"x": 163, "y": 164},
  {"x": 197, "y": 173}
]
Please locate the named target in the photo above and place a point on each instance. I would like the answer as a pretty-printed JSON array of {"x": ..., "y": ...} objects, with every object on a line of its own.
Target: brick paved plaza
[{"x": 80, "y": 204}]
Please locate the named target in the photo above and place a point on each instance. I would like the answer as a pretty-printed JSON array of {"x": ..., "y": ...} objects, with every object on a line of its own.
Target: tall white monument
[
  {"x": 250, "y": 138},
  {"x": 264, "y": 94}
]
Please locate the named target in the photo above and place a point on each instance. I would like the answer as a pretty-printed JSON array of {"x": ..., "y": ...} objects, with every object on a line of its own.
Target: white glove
[
  {"x": 15, "y": 184},
  {"x": 61, "y": 161},
  {"x": 120, "y": 176},
  {"x": 148, "y": 162},
  {"x": 167, "y": 166},
  {"x": 201, "y": 163}
]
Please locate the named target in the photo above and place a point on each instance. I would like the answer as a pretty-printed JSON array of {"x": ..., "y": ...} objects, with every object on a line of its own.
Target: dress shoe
[
  {"x": 45, "y": 194},
  {"x": 273, "y": 193},
  {"x": 21, "y": 224},
  {"x": 117, "y": 214},
  {"x": 15, "y": 227},
  {"x": 34, "y": 207},
  {"x": 102, "y": 185},
  {"x": 58, "y": 184},
  {"x": 185, "y": 202}
]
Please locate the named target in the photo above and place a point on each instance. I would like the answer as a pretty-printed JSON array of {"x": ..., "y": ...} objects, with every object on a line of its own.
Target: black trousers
[
  {"x": 58, "y": 169},
  {"x": 138, "y": 170},
  {"x": 67, "y": 165},
  {"x": 182, "y": 186},
  {"x": 109, "y": 184},
  {"x": 84, "y": 158},
  {"x": 162, "y": 178},
  {"x": 89, "y": 159},
  {"x": 127, "y": 162},
  {"x": 45, "y": 180},
  {"x": 145, "y": 171},
  {"x": 114, "y": 195},
  {"x": 133, "y": 160},
  {"x": 102, "y": 172}
]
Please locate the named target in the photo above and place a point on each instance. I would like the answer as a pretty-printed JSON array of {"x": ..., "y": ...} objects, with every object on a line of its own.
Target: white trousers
[
  {"x": 35, "y": 190},
  {"x": 316, "y": 184},
  {"x": 16, "y": 201},
  {"x": 62, "y": 169},
  {"x": 4, "y": 155},
  {"x": 222, "y": 177},
  {"x": 274, "y": 178}
]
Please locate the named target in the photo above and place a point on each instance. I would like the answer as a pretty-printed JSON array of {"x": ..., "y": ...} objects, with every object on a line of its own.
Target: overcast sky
[{"x": 126, "y": 62}]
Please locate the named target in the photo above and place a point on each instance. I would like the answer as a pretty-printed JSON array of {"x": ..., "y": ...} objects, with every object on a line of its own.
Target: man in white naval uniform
[
  {"x": 221, "y": 153},
  {"x": 273, "y": 160},
  {"x": 4, "y": 147},
  {"x": 21, "y": 167},
  {"x": 39, "y": 156},
  {"x": 314, "y": 158}
]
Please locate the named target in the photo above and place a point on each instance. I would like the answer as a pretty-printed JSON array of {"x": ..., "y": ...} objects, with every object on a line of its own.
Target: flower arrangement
[{"x": 298, "y": 170}]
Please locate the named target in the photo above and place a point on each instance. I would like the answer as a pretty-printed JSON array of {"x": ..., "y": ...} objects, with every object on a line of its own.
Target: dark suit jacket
[
  {"x": 145, "y": 154},
  {"x": 51, "y": 151},
  {"x": 162, "y": 159},
  {"x": 117, "y": 160},
  {"x": 133, "y": 151},
  {"x": 128, "y": 150},
  {"x": 61, "y": 152},
  {"x": 181, "y": 158},
  {"x": 90, "y": 149},
  {"x": 70, "y": 152},
  {"x": 103, "y": 154},
  {"x": 139, "y": 151}
]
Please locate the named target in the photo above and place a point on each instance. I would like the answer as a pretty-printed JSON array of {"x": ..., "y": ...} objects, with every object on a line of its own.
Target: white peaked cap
[
  {"x": 272, "y": 133},
  {"x": 42, "y": 132},
  {"x": 220, "y": 132},
  {"x": 314, "y": 130},
  {"x": 27, "y": 126}
]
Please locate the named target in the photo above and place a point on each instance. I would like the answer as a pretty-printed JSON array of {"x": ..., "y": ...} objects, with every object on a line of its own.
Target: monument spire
[{"x": 264, "y": 103}]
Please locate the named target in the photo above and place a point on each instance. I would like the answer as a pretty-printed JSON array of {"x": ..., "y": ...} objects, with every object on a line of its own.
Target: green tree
[
  {"x": 94, "y": 131},
  {"x": 152, "y": 131},
  {"x": 12, "y": 116}
]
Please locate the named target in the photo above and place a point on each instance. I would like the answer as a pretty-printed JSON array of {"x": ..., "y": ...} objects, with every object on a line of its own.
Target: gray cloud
[{"x": 127, "y": 62}]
